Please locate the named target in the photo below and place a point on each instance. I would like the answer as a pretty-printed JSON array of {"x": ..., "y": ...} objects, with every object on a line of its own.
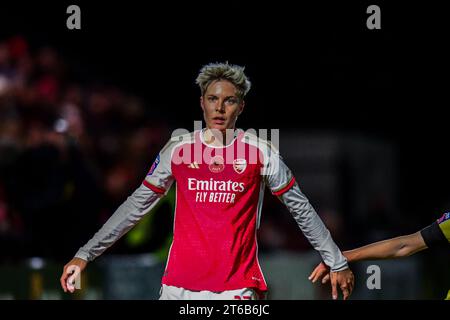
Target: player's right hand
[{"x": 70, "y": 272}]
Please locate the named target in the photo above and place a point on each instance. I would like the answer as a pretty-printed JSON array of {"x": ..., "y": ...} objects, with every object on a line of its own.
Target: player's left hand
[{"x": 345, "y": 280}]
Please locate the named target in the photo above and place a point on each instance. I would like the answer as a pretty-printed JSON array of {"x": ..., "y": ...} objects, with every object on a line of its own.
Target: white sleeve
[
  {"x": 159, "y": 178},
  {"x": 124, "y": 218},
  {"x": 279, "y": 178},
  {"x": 313, "y": 228},
  {"x": 157, "y": 182}
]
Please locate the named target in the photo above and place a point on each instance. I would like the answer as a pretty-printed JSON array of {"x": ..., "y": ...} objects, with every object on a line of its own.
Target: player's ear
[{"x": 202, "y": 103}]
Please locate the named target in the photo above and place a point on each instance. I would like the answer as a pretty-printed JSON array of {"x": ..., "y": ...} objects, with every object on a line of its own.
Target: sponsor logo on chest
[{"x": 215, "y": 191}]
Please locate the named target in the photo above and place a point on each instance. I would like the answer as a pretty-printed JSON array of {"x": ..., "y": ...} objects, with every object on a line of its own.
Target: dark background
[{"x": 313, "y": 67}]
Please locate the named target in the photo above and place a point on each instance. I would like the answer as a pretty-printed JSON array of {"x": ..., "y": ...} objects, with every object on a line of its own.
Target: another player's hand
[
  {"x": 322, "y": 270},
  {"x": 71, "y": 271},
  {"x": 345, "y": 280}
]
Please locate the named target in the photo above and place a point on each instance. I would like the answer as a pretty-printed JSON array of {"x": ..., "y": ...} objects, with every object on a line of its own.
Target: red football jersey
[{"x": 219, "y": 193}]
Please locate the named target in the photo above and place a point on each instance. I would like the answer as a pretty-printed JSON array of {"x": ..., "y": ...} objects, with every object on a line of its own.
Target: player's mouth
[{"x": 218, "y": 120}]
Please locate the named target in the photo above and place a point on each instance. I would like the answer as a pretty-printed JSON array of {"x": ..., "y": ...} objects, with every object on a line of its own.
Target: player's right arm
[
  {"x": 123, "y": 219},
  {"x": 140, "y": 202},
  {"x": 71, "y": 271}
]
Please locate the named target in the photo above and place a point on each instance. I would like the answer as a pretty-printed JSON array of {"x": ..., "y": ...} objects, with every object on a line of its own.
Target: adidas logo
[{"x": 193, "y": 165}]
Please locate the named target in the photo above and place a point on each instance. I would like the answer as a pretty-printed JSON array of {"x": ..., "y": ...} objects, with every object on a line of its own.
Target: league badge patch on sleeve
[
  {"x": 445, "y": 217},
  {"x": 154, "y": 165}
]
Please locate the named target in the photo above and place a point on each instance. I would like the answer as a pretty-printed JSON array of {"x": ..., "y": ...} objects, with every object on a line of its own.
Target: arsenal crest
[{"x": 239, "y": 165}]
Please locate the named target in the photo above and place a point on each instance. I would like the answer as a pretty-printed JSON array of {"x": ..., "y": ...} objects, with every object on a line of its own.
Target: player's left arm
[
  {"x": 280, "y": 180},
  {"x": 320, "y": 238}
]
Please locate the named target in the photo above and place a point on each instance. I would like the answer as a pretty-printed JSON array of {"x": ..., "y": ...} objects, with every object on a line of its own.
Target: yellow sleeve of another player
[{"x": 444, "y": 224}]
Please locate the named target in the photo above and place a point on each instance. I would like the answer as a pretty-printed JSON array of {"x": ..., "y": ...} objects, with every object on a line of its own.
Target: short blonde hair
[{"x": 223, "y": 71}]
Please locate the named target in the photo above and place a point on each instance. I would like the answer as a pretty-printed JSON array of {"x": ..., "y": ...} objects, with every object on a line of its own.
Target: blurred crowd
[{"x": 71, "y": 149}]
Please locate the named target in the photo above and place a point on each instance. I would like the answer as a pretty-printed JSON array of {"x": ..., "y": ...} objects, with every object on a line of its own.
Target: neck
[{"x": 219, "y": 137}]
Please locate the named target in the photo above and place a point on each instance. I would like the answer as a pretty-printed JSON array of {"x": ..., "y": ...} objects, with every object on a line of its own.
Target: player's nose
[{"x": 220, "y": 107}]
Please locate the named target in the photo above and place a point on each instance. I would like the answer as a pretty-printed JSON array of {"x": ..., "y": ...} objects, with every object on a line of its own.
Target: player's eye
[
  {"x": 230, "y": 101},
  {"x": 212, "y": 99}
]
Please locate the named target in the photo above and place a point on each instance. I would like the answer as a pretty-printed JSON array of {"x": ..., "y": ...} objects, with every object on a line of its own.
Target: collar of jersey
[{"x": 236, "y": 134}]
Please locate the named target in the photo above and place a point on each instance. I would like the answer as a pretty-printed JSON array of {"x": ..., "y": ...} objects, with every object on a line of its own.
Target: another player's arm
[
  {"x": 391, "y": 248},
  {"x": 402, "y": 246},
  {"x": 432, "y": 236}
]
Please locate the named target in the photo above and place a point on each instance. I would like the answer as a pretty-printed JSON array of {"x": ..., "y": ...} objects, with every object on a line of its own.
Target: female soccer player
[{"x": 220, "y": 174}]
